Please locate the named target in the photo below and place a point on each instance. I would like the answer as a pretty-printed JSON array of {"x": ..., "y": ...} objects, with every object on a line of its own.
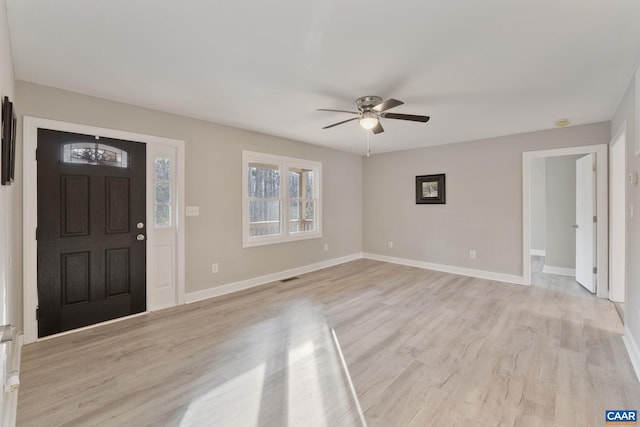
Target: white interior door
[{"x": 585, "y": 226}]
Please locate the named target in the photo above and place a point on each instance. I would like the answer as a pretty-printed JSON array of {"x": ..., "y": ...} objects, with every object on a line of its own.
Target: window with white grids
[{"x": 281, "y": 199}]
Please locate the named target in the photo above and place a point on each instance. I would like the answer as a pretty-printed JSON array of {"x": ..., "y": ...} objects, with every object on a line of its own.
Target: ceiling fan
[{"x": 371, "y": 109}]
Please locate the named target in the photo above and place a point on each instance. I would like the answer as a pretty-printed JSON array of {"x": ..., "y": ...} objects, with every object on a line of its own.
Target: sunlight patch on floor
[
  {"x": 289, "y": 371},
  {"x": 305, "y": 393},
  {"x": 240, "y": 396}
]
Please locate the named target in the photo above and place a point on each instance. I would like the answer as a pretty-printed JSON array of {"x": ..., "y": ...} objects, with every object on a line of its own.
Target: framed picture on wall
[
  {"x": 430, "y": 189},
  {"x": 12, "y": 149},
  {"x": 8, "y": 150}
]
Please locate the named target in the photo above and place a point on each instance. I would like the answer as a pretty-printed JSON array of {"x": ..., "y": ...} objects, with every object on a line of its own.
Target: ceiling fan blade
[
  {"x": 385, "y": 105},
  {"x": 339, "y": 123},
  {"x": 412, "y": 117},
  {"x": 377, "y": 128},
  {"x": 338, "y": 111}
]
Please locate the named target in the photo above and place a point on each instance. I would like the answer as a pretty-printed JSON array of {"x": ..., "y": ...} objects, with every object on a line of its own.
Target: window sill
[{"x": 274, "y": 240}]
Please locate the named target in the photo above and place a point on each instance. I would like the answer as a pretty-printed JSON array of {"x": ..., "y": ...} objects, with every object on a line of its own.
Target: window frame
[{"x": 284, "y": 164}]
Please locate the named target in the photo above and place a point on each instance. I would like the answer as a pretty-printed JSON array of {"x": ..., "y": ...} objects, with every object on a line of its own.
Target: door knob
[
  {"x": 140, "y": 237},
  {"x": 140, "y": 225}
]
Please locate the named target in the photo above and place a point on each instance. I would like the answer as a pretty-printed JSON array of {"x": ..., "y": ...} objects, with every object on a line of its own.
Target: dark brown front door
[{"x": 91, "y": 230}]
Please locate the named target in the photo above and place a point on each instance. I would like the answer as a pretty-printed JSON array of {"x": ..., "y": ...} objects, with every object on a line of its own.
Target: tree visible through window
[
  {"x": 264, "y": 200},
  {"x": 301, "y": 199},
  {"x": 281, "y": 199}
]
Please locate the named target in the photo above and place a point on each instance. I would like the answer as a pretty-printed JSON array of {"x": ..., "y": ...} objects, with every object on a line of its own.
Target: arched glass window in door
[{"x": 90, "y": 153}]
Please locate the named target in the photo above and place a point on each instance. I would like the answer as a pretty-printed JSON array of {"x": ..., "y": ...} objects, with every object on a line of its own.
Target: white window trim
[{"x": 284, "y": 164}]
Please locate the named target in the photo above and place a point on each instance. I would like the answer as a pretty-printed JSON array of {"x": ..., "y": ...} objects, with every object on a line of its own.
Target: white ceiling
[{"x": 478, "y": 68}]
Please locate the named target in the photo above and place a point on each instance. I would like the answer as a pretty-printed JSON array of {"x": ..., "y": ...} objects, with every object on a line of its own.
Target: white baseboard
[
  {"x": 538, "y": 252},
  {"x": 217, "y": 291},
  {"x": 481, "y": 274},
  {"x": 561, "y": 271},
  {"x": 633, "y": 350},
  {"x": 262, "y": 280}
]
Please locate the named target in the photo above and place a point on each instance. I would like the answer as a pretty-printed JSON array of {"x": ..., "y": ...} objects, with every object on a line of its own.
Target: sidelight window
[{"x": 163, "y": 203}]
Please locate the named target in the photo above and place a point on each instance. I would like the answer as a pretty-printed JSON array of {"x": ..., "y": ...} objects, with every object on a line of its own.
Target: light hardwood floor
[
  {"x": 556, "y": 282},
  {"x": 423, "y": 349}
]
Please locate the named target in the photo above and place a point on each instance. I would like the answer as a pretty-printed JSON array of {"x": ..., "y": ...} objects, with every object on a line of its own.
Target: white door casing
[
  {"x": 160, "y": 293},
  {"x": 618, "y": 215},
  {"x": 585, "y": 225}
]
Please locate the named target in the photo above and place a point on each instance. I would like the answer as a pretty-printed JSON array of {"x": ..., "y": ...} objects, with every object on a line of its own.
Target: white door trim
[
  {"x": 618, "y": 214},
  {"x": 602, "y": 209},
  {"x": 30, "y": 207}
]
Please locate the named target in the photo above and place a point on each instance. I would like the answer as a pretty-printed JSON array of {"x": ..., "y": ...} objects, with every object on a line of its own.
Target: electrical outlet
[
  {"x": 472, "y": 254},
  {"x": 390, "y": 244},
  {"x": 326, "y": 247},
  {"x": 214, "y": 267}
]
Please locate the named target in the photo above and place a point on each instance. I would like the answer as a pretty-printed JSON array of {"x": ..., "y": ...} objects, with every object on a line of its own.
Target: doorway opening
[
  {"x": 165, "y": 253},
  {"x": 596, "y": 265},
  {"x": 554, "y": 249}
]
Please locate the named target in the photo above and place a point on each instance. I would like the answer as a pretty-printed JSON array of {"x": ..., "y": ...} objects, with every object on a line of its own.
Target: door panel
[
  {"x": 74, "y": 268},
  {"x": 117, "y": 272},
  {"x": 117, "y": 209},
  {"x": 91, "y": 195},
  {"x": 74, "y": 203},
  {"x": 585, "y": 231}
]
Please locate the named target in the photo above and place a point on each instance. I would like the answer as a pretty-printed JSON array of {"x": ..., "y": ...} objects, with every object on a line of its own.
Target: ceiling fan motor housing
[{"x": 366, "y": 103}]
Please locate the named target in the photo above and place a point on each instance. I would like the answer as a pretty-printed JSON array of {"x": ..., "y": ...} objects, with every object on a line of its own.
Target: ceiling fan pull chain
[{"x": 368, "y": 149}]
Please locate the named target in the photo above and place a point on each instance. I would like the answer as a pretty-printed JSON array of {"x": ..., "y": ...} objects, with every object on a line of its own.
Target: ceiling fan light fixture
[{"x": 368, "y": 120}]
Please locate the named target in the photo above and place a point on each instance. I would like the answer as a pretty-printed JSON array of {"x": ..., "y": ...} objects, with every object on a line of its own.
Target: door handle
[
  {"x": 140, "y": 237},
  {"x": 575, "y": 225},
  {"x": 140, "y": 225}
]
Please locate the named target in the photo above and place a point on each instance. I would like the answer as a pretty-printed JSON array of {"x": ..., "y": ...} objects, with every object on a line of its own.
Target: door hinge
[
  {"x": 595, "y": 167},
  {"x": 595, "y": 270},
  {"x": 595, "y": 218},
  {"x": 37, "y": 313},
  {"x": 36, "y": 154},
  {"x": 37, "y": 229}
]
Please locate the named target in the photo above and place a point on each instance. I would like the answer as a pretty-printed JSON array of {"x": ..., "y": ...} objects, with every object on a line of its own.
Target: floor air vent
[{"x": 288, "y": 279}]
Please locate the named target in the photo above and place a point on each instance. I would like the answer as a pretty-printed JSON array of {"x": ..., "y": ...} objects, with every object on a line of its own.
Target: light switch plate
[{"x": 192, "y": 211}]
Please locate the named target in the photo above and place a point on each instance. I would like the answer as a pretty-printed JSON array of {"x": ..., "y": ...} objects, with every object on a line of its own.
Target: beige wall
[
  {"x": 561, "y": 211},
  {"x": 627, "y": 112},
  {"x": 213, "y": 179},
  {"x": 484, "y": 199},
  {"x": 10, "y": 235}
]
